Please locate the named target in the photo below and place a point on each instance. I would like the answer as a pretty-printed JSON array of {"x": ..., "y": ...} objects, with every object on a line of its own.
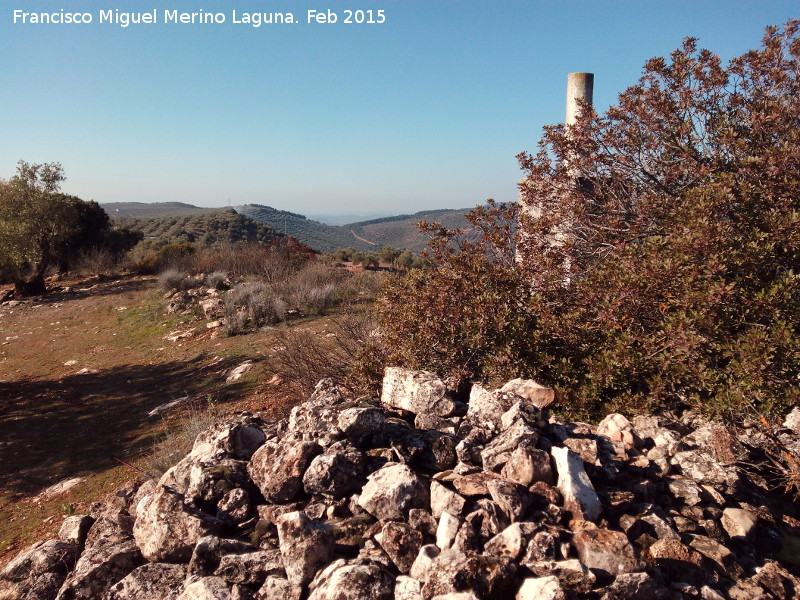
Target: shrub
[
  {"x": 314, "y": 289},
  {"x": 659, "y": 261},
  {"x": 251, "y": 305},
  {"x": 174, "y": 280}
]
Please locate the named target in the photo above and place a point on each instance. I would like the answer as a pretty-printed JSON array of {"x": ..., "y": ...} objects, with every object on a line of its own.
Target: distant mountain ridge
[{"x": 399, "y": 231}]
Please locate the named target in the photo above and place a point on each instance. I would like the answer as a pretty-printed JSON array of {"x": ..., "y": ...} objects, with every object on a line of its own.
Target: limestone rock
[
  {"x": 277, "y": 468},
  {"x": 392, "y": 491},
  {"x": 541, "y": 588},
  {"x": 636, "y": 586},
  {"x": 575, "y": 486},
  {"x": 605, "y": 551},
  {"x": 512, "y": 498},
  {"x": 167, "y": 528},
  {"x": 417, "y": 392},
  {"x": 444, "y": 500},
  {"x": 512, "y": 541},
  {"x": 278, "y": 588},
  {"x": 207, "y": 588},
  {"x": 336, "y": 473},
  {"x": 489, "y": 577},
  {"x": 361, "y": 421},
  {"x": 407, "y": 588},
  {"x": 739, "y": 523},
  {"x": 151, "y": 581},
  {"x": 345, "y": 580},
  {"x": 402, "y": 543},
  {"x": 100, "y": 567},
  {"x": 485, "y": 408},
  {"x": 527, "y": 465},
  {"x": 497, "y": 453},
  {"x": 539, "y": 395},
  {"x": 306, "y": 545},
  {"x": 250, "y": 567},
  {"x": 678, "y": 561},
  {"x": 75, "y": 528},
  {"x": 51, "y": 556}
]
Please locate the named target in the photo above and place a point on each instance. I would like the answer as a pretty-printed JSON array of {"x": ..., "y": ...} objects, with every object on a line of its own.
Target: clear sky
[{"x": 426, "y": 110}]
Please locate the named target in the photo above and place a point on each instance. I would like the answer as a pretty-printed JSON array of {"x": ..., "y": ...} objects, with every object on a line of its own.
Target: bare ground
[{"x": 81, "y": 368}]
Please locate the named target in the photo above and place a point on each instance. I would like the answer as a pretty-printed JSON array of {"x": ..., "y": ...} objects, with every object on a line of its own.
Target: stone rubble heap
[{"x": 426, "y": 497}]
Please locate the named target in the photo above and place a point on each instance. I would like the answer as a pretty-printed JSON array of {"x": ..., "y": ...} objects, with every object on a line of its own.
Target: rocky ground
[{"x": 427, "y": 496}]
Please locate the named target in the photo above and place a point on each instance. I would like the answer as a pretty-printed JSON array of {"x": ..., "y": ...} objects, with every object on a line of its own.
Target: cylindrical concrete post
[{"x": 580, "y": 86}]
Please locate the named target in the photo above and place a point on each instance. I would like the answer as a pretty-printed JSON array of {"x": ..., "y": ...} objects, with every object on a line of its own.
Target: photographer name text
[{"x": 200, "y": 17}]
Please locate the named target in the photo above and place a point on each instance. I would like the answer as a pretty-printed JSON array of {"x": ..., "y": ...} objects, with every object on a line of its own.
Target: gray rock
[
  {"x": 343, "y": 580},
  {"x": 636, "y": 586},
  {"x": 572, "y": 574},
  {"x": 475, "y": 484},
  {"x": 51, "y": 556},
  {"x": 512, "y": 498},
  {"x": 43, "y": 587},
  {"x": 251, "y": 567},
  {"x": 704, "y": 469},
  {"x": 306, "y": 545},
  {"x": 207, "y": 588},
  {"x": 605, "y": 551},
  {"x": 336, "y": 473},
  {"x": 445, "y": 500},
  {"x": 75, "y": 528},
  {"x": 167, "y": 527},
  {"x": 527, "y": 465},
  {"x": 575, "y": 486},
  {"x": 392, "y": 491},
  {"x": 685, "y": 489},
  {"x": 360, "y": 422},
  {"x": 417, "y": 392},
  {"x": 277, "y": 468},
  {"x": 512, "y": 541},
  {"x": 721, "y": 559},
  {"x": 100, "y": 567},
  {"x": 537, "y": 394},
  {"x": 277, "y": 588},
  {"x": 541, "y": 588},
  {"x": 497, "y": 453},
  {"x": 153, "y": 581}
]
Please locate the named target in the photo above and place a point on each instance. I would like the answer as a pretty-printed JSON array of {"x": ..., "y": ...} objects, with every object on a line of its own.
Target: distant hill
[
  {"x": 144, "y": 210},
  {"x": 204, "y": 228},
  {"x": 399, "y": 231}
]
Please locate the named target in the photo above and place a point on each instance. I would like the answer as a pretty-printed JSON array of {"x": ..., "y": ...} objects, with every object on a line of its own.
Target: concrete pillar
[{"x": 580, "y": 86}]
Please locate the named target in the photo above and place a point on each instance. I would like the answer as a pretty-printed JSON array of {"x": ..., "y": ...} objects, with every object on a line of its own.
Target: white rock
[
  {"x": 540, "y": 588},
  {"x": 407, "y": 588},
  {"x": 421, "y": 569},
  {"x": 207, "y": 588},
  {"x": 793, "y": 420},
  {"x": 512, "y": 540},
  {"x": 239, "y": 371},
  {"x": 416, "y": 391},
  {"x": 447, "y": 530},
  {"x": 739, "y": 523},
  {"x": 445, "y": 500},
  {"x": 575, "y": 486},
  {"x": 392, "y": 491},
  {"x": 539, "y": 395}
]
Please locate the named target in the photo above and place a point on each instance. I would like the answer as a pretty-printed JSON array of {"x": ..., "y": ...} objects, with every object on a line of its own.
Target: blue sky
[{"x": 426, "y": 110}]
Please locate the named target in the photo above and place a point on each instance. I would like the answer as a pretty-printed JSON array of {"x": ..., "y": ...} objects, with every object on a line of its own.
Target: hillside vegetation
[
  {"x": 399, "y": 231},
  {"x": 203, "y": 228},
  {"x": 144, "y": 210}
]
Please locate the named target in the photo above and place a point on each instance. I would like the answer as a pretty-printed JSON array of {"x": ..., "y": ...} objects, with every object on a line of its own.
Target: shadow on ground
[{"x": 54, "y": 429}]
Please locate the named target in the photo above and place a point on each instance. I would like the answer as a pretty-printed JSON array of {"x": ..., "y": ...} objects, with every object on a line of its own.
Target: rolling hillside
[
  {"x": 399, "y": 231},
  {"x": 144, "y": 210},
  {"x": 204, "y": 228}
]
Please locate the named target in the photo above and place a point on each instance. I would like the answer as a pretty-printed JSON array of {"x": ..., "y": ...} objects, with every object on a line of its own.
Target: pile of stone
[{"x": 425, "y": 496}]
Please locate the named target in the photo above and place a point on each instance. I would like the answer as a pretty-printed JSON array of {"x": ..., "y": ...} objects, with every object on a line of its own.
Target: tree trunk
[{"x": 33, "y": 287}]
